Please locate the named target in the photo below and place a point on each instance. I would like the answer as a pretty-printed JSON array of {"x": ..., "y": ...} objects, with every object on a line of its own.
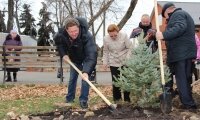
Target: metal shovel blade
[{"x": 166, "y": 101}]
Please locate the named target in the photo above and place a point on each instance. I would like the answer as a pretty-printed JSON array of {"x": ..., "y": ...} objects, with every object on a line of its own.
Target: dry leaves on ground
[
  {"x": 27, "y": 91},
  {"x": 196, "y": 87}
]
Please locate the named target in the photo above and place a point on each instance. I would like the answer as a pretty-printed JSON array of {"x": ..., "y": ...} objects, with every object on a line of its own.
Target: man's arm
[
  {"x": 129, "y": 46},
  {"x": 91, "y": 55},
  {"x": 105, "y": 54},
  {"x": 59, "y": 38},
  {"x": 178, "y": 27},
  {"x": 136, "y": 32}
]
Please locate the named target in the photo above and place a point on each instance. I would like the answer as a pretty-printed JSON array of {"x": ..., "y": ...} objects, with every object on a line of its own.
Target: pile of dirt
[{"x": 125, "y": 112}]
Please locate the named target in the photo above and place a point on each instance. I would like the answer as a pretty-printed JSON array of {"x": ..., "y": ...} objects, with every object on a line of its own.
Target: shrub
[{"x": 141, "y": 76}]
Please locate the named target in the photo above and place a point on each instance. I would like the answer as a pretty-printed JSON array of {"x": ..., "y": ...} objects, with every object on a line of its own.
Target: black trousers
[
  {"x": 193, "y": 71},
  {"x": 170, "y": 83},
  {"x": 116, "y": 90},
  {"x": 182, "y": 71}
]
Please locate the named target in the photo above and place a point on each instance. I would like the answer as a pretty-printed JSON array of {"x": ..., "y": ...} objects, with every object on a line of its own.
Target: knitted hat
[
  {"x": 13, "y": 31},
  {"x": 167, "y": 5}
]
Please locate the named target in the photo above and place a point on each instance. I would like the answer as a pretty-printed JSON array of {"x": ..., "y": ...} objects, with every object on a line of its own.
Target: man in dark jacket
[
  {"x": 149, "y": 33},
  {"x": 76, "y": 43},
  {"x": 181, "y": 49}
]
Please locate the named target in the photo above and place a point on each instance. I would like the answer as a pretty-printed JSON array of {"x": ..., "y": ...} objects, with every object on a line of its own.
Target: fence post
[
  {"x": 61, "y": 70},
  {"x": 4, "y": 64}
]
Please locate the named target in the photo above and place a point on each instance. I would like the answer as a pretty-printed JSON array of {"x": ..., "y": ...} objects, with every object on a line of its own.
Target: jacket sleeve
[
  {"x": 136, "y": 32},
  {"x": 178, "y": 26},
  {"x": 19, "y": 44},
  {"x": 105, "y": 52},
  {"x": 59, "y": 41},
  {"x": 129, "y": 46},
  {"x": 91, "y": 55}
]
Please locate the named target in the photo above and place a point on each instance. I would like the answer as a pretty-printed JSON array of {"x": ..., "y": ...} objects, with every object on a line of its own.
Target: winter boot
[
  {"x": 8, "y": 77},
  {"x": 15, "y": 76}
]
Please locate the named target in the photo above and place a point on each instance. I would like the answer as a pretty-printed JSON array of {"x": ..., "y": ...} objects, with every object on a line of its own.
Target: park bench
[{"x": 39, "y": 57}]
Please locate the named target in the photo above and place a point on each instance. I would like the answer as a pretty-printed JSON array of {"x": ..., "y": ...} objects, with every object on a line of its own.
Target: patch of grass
[
  {"x": 29, "y": 106},
  {"x": 30, "y": 85},
  {"x": 97, "y": 99},
  {"x": 38, "y": 105},
  {"x": 6, "y": 86}
]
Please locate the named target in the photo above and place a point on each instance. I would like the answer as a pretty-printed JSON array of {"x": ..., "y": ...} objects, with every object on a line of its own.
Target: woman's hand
[{"x": 105, "y": 66}]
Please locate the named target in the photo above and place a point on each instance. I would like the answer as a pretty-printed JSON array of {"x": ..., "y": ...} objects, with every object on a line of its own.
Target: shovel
[
  {"x": 165, "y": 97},
  {"x": 112, "y": 106}
]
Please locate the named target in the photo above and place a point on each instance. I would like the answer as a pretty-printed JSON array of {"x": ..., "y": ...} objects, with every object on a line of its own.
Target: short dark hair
[{"x": 71, "y": 22}]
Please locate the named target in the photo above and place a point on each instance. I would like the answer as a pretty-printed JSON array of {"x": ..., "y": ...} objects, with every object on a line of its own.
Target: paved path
[{"x": 103, "y": 78}]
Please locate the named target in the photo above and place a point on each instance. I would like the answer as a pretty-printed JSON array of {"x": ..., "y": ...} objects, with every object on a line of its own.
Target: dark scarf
[{"x": 145, "y": 28}]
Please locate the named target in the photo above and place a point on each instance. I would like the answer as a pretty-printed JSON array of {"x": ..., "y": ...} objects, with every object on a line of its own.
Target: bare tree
[
  {"x": 96, "y": 14},
  {"x": 17, "y": 4},
  {"x": 58, "y": 10},
  {"x": 10, "y": 15},
  {"x": 91, "y": 13},
  {"x": 2, "y": 21},
  {"x": 128, "y": 14},
  {"x": 100, "y": 12},
  {"x": 56, "y": 5},
  {"x": 76, "y": 8}
]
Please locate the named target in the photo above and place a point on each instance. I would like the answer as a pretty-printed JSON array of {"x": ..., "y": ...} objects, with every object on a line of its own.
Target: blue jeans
[{"x": 72, "y": 86}]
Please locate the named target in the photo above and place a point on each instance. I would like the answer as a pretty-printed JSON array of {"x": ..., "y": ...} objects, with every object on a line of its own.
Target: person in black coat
[
  {"x": 149, "y": 33},
  {"x": 179, "y": 36},
  {"x": 76, "y": 43}
]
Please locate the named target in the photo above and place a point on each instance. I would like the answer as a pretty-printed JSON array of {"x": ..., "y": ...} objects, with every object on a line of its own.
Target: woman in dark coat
[{"x": 12, "y": 39}]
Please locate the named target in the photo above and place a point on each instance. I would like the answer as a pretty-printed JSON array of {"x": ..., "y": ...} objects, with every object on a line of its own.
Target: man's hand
[
  {"x": 159, "y": 35},
  {"x": 85, "y": 76},
  {"x": 148, "y": 36},
  {"x": 105, "y": 67},
  {"x": 66, "y": 58}
]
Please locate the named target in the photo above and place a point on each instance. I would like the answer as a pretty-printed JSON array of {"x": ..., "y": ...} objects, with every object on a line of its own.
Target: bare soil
[
  {"x": 101, "y": 110},
  {"x": 128, "y": 112}
]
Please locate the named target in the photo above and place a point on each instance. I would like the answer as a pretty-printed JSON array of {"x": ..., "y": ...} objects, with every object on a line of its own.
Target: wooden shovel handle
[
  {"x": 159, "y": 44},
  {"x": 91, "y": 85}
]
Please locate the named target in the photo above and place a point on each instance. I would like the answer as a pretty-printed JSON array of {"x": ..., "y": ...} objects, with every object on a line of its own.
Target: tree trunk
[
  {"x": 16, "y": 15},
  {"x": 128, "y": 14},
  {"x": 10, "y": 15},
  {"x": 2, "y": 23},
  {"x": 103, "y": 9},
  {"x": 57, "y": 8},
  {"x": 91, "y": 13}
]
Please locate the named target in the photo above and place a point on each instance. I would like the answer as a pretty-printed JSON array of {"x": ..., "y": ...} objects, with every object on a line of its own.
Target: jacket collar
[{"x": 170, "y": 14}]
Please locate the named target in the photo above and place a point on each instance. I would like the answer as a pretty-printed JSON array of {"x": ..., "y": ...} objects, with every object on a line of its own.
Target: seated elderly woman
[{"x": 12, "y": 39}]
